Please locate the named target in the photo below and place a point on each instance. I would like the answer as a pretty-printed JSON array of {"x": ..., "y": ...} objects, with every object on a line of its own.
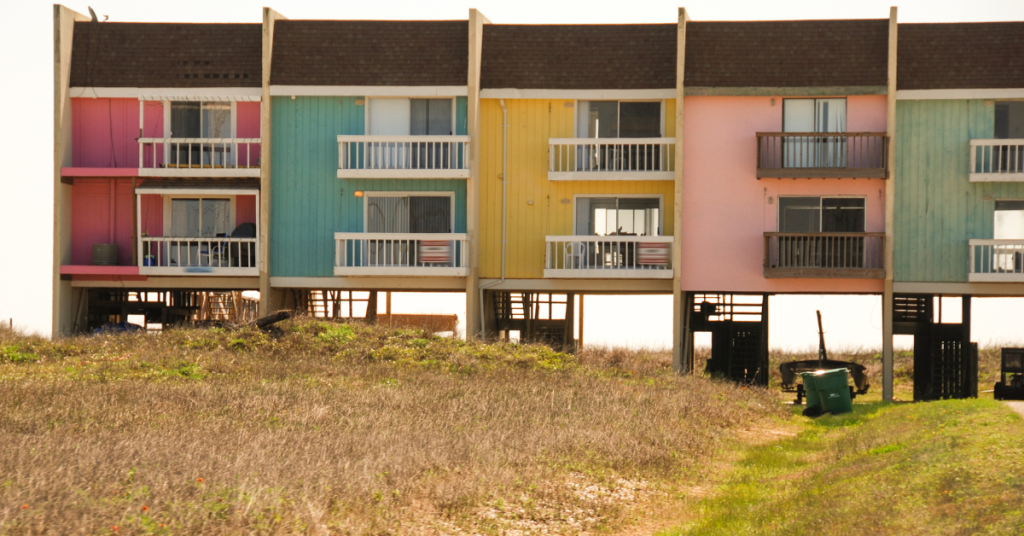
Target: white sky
[{"x": 26, "y": 145}]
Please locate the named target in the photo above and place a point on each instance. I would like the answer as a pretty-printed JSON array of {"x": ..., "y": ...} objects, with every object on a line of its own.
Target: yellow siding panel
[{"x": 535, "y": 204}]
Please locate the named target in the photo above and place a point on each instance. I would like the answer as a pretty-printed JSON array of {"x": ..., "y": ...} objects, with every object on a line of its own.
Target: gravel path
[{"x": 1017, "y": 406}]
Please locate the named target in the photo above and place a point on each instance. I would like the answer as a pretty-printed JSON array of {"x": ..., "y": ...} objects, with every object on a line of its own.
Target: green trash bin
[
  {"x": 834, "y": 391},
  {"x": 811, "y": 390}
]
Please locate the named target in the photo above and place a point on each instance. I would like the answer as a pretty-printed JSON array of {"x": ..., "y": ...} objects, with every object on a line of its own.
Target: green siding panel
[
  {"x": 937, "y": 209},
  {"x": 308, "y": 201}
]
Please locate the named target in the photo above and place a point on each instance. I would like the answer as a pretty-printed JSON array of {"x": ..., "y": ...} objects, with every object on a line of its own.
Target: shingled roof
[
  {"x": 564, "y": 56},
  {"x": 370, "y": 53},
  {"x": 787, "y": 53},
  {"x": 982, "y": 55},
  {"x": 120, "y": 54}
]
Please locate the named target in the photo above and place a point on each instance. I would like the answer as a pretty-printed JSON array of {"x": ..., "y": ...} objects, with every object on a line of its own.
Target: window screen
[
  {"x": 1009, "y": 120},
  {"x": 200, "y": 217},
  {"x": 821, "y": 214},
  {"x": 185, "y": 120},
  {"x": 431, "y": 117},
  {"x": 614, "y": 119},
  {"x": 408, "y": 214},
  {"x": 1008, "y": 221},
  {"x": 605, "y": 216}
]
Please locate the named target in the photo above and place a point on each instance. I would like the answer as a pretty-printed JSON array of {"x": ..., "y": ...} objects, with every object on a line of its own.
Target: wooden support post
[
  {"x": 371, "y": 307},
  {"x": 890, "y": 214},
  {"x": 387, "y": 307},
  {"x": 679, "y": 364},
  {"x": 474, "y": 328},
  {"x": 579, "y": 340},
  {"x": 267, "y": 297}
]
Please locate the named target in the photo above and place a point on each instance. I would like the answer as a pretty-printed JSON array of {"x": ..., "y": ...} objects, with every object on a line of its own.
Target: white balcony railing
[
  {"x": 608, "y": 257},
  {"x": 996, "y": 261},
  {"x": 401, "y": 254},
  {"x": 192, "y": 157},
  {"x": 997, "y": 161},
  {"x": 221, "y": 256},
  {"x": 587, "y": 159},
  {"x": 408, "y": 157}
]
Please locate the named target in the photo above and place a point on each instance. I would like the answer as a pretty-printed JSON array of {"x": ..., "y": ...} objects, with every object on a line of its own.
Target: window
[
  {"x": 411, "y": 117},
  {"x": 607, "y": 216},
  {"x": 1008, "y": 221},
  {"x": 615, "y": 119},
  {"x": 1009, "y": 120},
  {"x": 814, "y": 115},
  {"x": 211, "y": 120},
  {"x": 807, "y": 216},
  {"x": 200, "y": 217},
  {"x": 409, "y": 213}
]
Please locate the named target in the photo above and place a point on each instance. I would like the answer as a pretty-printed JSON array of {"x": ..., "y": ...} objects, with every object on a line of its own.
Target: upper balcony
[
  {"x": 401, "y": 254},
  {"x": 588, "y": 159},
  {"x": 403, "y": 157},
  {"x": 608, "y": 257},
  {"x": 996, "y": 261},
  {"x": 199, "y": 157},
  {"x": 822, "y": 155},
  {"x": 824, "y": 255},
  {"x": 997, "y": 161}
]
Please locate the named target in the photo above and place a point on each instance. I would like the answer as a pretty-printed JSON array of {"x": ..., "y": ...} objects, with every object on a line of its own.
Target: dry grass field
[{"x": 348, "y": 429}]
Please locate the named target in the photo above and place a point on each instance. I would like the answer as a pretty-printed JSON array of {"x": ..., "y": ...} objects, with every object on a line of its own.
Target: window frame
[
  {"x": 168, "y": 133},
  {"x": 232, "y": 216},
  {"x": 366, "y": 110},
  {"x": 368, "y": 194},
  {"x": 659, "y": 197},
  {"x": 846, "y": 114},
  {"x": 778, "y": 209},
  {"x": 618, "y": 111}
]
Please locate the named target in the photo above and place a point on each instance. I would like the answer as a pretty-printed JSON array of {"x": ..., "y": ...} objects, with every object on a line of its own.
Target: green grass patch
[{"x": 951, "y": 467}]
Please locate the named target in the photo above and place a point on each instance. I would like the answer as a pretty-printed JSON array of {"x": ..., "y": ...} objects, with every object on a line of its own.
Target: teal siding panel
[
  {"x": 461, "y": 116},
  {"x": 937, "y": 209},
  {"x": 308, "y": 201}
]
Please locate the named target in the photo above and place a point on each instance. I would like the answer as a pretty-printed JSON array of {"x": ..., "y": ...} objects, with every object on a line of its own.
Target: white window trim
[
  {"x": 367, "y": 195},
  {"x": 366, "y": 110},
  {"x": 778, "y": 208},
  {"x": 659, "y": 197},
  {"x": 576, "y": 108},
  {"x": 167, "y": 208}
]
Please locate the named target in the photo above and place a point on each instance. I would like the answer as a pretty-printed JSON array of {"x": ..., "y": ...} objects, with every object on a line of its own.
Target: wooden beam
[
  {"x": 476, "y": 39},
  {"x": 263, "y": 225},
  {"x": 680, "y": 359},
  {"x": 890, "y": 214}
]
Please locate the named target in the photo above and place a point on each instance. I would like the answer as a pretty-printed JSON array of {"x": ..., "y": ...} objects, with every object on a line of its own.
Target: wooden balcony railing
[
  {"x": 189, "y": 255},
  {"x": 611, "y": 159},
  {"x": 996, "y": 261},
  {"x": 401, "y": 254},
  {"x": 814, "y": 155},
  {"x": 184, "y": 157},
  {"x": 828, "y": 255},
  {"x": 997, "y": 161},
  {"x": 608, "y": 257},
  {"x": 409, "y": 157}
]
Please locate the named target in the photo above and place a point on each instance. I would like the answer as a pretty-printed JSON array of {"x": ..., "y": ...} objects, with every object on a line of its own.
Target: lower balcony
[
  {"x": 824, "y": 255},
  {"x": 996, "y": 261},
  {"x": 608, "y": 257},
  {"x": 401, "y": 254},
  {"x": 214, "y": 256}
]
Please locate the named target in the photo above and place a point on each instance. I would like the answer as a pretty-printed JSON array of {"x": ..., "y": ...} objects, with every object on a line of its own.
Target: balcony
[
  {"x": 401, "y": 254},
  {"x": 199, "y": 157},
  {"x": 608, "y": 257},
  {"x": 996, "y": 261},
  {"x": 403, "y": 157},
  {"x": 611, "y": 159},
  {"x": 997, "y": 161},
  {"x": 814, "y": 155},
  {"x": 193, "y": 256},
  {"x": 824, "y": 255}
]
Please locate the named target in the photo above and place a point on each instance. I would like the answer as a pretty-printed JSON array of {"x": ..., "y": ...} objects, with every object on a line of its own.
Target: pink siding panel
[
  {"x": 152, "y": 215},
  {"x": 726, "y": 210},
  {"x": 248, "y": 127},
  {"x": 245, "y": 209},
  {"x": 101, "y": 213},
  {"x": 104, "y": 131}
]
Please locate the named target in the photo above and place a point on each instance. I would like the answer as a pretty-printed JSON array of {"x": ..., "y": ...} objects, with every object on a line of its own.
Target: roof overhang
[
  {"x": 170, "y": 93},
  {"x": 368, "y": 91},
  {"x": 200, "y": 187}
]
